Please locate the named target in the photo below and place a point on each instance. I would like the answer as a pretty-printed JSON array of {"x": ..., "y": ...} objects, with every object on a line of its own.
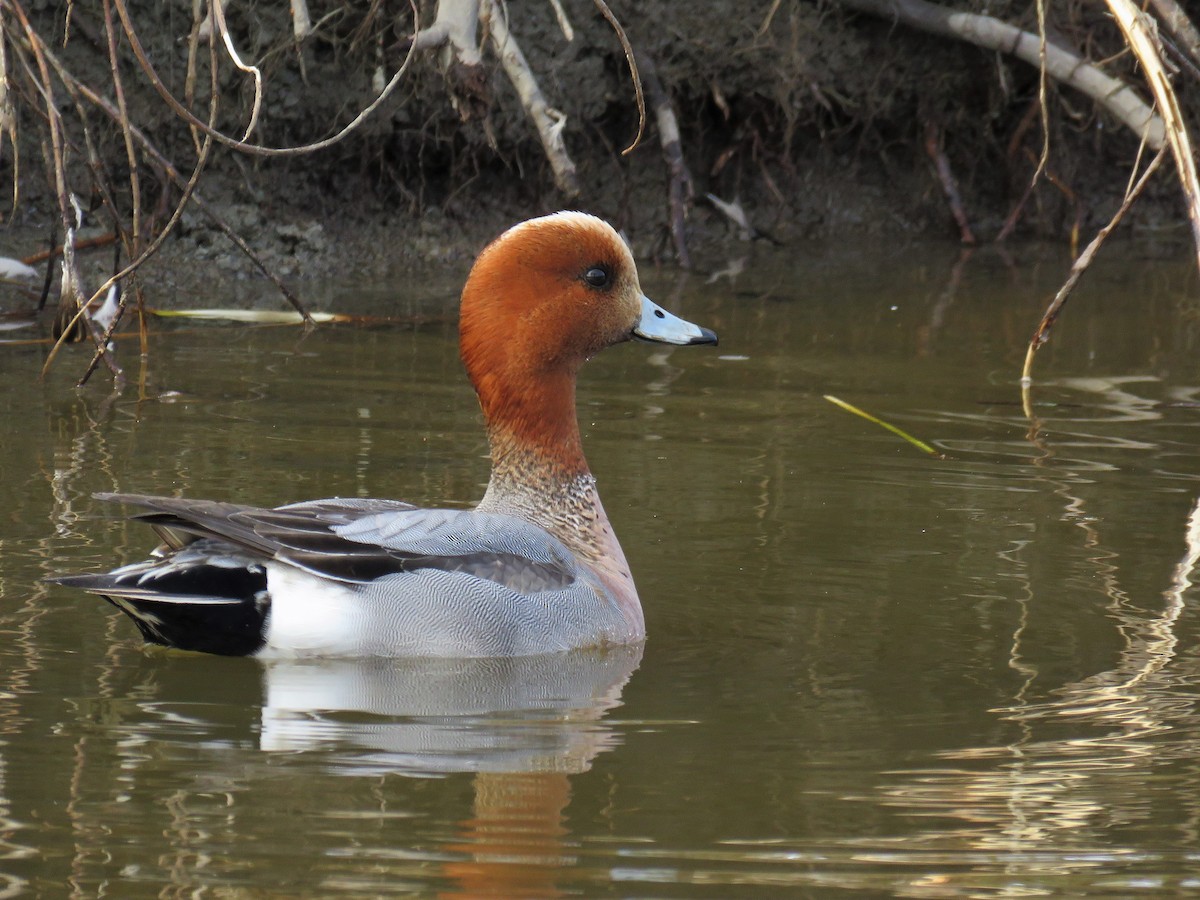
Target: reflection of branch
[{"x": 1038, "y": 790}]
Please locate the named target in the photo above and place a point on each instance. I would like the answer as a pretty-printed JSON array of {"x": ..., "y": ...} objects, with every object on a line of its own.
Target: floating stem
[{"x": 899, "y": 432}]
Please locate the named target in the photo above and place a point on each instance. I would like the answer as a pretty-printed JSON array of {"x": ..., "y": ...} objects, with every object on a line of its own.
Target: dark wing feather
[{"x": 303, "y": 535}]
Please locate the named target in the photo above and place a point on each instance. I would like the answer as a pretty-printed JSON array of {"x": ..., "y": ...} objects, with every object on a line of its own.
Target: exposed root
[
  {"x": 941, "y": 165},
  {"x": 680, "y": 187}
]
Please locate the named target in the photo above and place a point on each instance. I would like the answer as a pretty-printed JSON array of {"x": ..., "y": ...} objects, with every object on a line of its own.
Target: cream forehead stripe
[{"x": 576, "y": 219}]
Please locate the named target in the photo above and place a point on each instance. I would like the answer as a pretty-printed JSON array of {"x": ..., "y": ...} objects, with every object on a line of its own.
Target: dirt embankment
[{"x": 815, "y": 119}]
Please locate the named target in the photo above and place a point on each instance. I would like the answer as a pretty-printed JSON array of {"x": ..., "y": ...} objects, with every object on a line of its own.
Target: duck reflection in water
[
  {"x": 523, "y": 725},
  {"x": 520, "y": 726}
]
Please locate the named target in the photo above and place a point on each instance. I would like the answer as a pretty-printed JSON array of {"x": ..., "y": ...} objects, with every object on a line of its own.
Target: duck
[{"x": 534, "y": 568}]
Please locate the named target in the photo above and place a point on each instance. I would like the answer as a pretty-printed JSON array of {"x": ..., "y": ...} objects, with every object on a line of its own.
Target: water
[{"x": 868, "y": 670}]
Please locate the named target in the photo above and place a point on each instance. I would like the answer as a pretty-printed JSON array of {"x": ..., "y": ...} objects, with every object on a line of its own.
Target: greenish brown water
[{"x": 868, "y": 670}]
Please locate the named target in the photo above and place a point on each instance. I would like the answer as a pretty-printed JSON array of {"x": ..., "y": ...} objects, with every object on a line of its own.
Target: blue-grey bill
[{"x": 662, "y": 327}]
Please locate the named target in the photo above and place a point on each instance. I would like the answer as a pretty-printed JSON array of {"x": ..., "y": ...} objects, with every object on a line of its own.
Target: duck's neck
[
  {"x": 539, "y": 474},
  {"x": 538, "y": 469}
]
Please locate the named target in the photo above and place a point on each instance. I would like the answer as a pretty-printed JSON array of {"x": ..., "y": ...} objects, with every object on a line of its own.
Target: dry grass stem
[
  {"x": 631, "y": 58},
  {"x": 1141, "y": 34}
]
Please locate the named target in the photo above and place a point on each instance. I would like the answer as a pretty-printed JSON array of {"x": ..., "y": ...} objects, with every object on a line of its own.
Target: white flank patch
[{"x": 311, "y": 616}]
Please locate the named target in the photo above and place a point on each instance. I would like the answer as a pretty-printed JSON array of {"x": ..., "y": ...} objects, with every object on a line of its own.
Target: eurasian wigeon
[{"x": 534, "y": 568}]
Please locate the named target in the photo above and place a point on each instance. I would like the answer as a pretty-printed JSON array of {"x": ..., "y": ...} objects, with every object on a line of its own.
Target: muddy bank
[{"x": 815, "y": 119}]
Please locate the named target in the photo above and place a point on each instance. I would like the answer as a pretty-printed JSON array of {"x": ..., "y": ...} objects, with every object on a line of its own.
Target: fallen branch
[{"x": 1120, "y": 99}]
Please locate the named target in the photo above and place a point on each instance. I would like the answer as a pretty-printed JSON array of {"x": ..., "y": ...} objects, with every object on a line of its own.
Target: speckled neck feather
[{"x": 562, "y": 499}]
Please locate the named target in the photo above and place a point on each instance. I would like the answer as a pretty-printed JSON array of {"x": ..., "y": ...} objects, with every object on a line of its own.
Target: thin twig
[
  {"x": 255, "y": 149},
  {"x": 945, "y": 175},
  {"x": 135, "y": 189},
  {"x": 1042, "y": 333},
  {"x": 217, "y": 8},
  {"x": 630, "y": 57}
]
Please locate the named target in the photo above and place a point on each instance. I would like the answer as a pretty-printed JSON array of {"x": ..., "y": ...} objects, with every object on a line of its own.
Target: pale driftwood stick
[
  {"x": 455, "y": 23},
  {"x": 680, "y": 185},
  {"x": 547, "y": 121},
  {"x": 301, "y": 20},
  {"x": 1139, "y": 32},
  {"x": 1121, "y": 100}
]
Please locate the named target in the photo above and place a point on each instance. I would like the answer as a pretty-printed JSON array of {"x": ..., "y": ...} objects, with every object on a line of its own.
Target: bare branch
[
  {"x": 548, "y": 122},
  {"x": 1120, "y": 99},
  {"x": 680, "y": 190}
]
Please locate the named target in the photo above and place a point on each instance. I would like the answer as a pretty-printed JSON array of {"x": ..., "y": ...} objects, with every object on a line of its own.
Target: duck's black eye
[{"x": 596, "y": 276}]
